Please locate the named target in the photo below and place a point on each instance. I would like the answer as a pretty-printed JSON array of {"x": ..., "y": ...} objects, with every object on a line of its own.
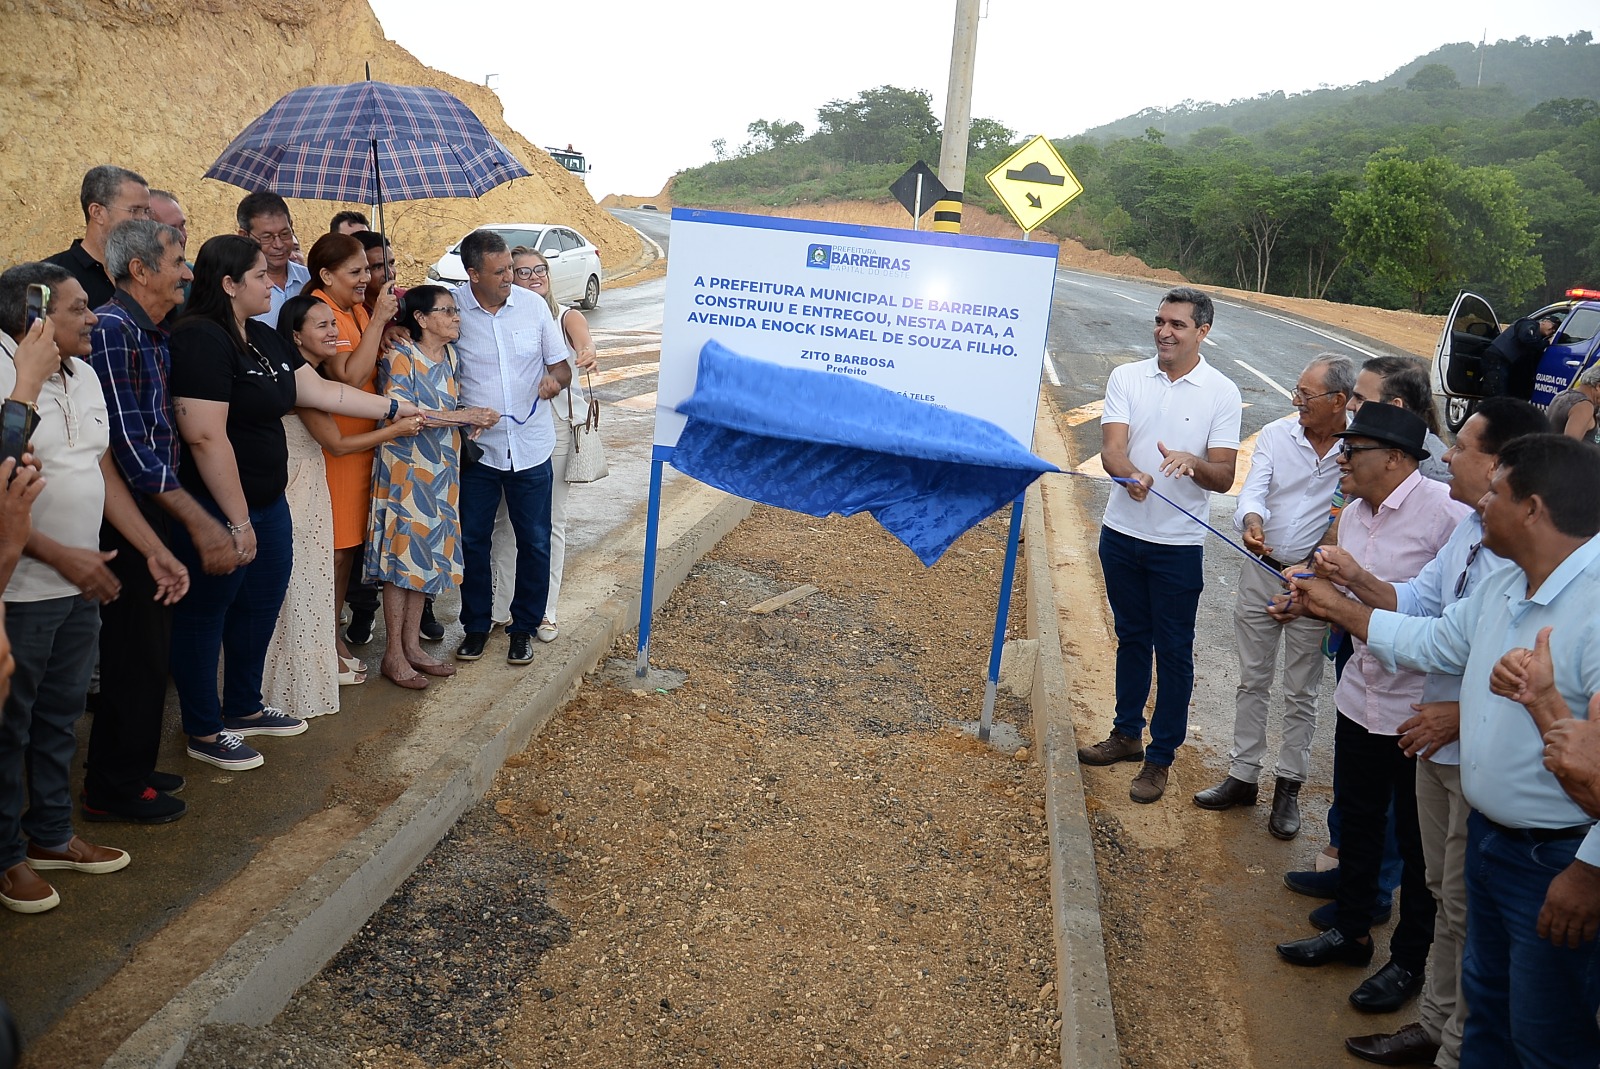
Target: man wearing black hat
[
  {"x": 1394, "y": 522},
  {"x": 1512, "y": 359}
]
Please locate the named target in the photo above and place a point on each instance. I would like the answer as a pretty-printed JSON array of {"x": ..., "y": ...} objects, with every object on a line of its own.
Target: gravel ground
[{"x": 791, "y": 860}]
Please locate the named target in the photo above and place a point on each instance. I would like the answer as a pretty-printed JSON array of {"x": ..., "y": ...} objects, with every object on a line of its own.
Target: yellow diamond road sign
[{"x": 1034, "y": 183}]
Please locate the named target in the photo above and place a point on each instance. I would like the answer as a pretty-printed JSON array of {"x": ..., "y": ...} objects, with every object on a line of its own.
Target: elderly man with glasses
[
  {"x": 109, "y": 195},
  {"x": 1394, "y": 523},
  {"x": 263, "y": 216},
  {"x": 1282, "y": 510},
  {"x": 1431, "y": 734}
]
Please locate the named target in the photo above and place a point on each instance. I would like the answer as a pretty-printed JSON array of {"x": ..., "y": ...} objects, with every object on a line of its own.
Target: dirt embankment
[{"x": 163, "y": 86}]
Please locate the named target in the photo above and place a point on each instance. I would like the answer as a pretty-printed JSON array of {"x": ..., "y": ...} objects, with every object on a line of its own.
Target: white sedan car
[{"x": 575, "y": 272}]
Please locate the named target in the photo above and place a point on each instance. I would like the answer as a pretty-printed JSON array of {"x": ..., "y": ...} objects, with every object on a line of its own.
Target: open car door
[{"x": 1458, "y": 358}]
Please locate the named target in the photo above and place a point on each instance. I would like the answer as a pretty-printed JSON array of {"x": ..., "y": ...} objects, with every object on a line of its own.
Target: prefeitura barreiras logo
[{"x": 856, "y": 260}]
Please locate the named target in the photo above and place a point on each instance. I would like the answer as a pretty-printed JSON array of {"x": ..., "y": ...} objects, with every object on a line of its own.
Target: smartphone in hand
[{"x": 37, "y": 303}]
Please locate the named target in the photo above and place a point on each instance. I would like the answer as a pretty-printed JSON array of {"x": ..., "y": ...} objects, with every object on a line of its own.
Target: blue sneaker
[
  {"x": 268, "y": 721},
  {"x": 1326, "y": 915},
  {"x": 229, "y": 751}
]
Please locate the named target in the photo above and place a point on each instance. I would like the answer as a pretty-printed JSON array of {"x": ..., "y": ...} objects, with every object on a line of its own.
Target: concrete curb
[
  {"x": 1088, "y": 1028},
  {"x": 254, "y": 979}
]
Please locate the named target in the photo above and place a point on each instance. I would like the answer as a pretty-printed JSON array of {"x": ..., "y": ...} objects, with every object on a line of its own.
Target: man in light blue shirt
[
  {"x": 1460, "y": 568},
  {"x": 263, "y": 217},
  {"x": 512, "y": 359},
  {"x": 1531, "y": 967}
]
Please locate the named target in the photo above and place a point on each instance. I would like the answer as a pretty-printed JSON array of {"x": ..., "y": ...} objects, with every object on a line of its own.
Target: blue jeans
[
  {"x": 54, "y": 644},
  {"x": 229, "y": 618},
  {"x": 1154, "y": 591},
  {"x": 527, "y": 496},
  {"x": 1531, "y": 1004}
]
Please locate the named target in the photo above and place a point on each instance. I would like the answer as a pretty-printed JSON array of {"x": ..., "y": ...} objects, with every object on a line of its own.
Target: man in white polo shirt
[
  {"x": 1177, "y": 417},
  {"x": 513, "y": 360}
]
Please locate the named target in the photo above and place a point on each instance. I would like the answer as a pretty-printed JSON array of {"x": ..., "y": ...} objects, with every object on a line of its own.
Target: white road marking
[
  {"x": 1208, "y": 341},
  {"x": 1050, "y": 369},
  {"x": 628, "y": 350},
  {"x": 1125, "y": 297},
  {"x": 1320, "y": 333},
  {"x": 631, "y": 371},
  {"x": 1262, "y": 377},
  {"x": 1075, "y": 282},
  {"x": 1076, "y": 417},
  {"x": 644, "y": 402}
]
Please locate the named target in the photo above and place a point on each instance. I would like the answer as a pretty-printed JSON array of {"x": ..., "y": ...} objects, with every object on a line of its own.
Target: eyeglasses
[
  {"x": 282, "y": 237},
  {"x": 1298, "y": 398},
  {"x": 1346, "y": 451},
  {"x": 138, "y": 211},
  {"x": 452, "y": 310},
  {"x": 529, "y": 272},
  {"x": 1461, "y": 581}
]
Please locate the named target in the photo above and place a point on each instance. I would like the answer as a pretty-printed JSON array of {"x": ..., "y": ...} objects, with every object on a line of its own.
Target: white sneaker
[{"x": 546, "y": 631}]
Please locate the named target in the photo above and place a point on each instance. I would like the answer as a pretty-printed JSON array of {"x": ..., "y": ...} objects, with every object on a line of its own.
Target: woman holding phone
[
  {"x": 232, "y": 381},
  {"x": 340, "y": 276}
]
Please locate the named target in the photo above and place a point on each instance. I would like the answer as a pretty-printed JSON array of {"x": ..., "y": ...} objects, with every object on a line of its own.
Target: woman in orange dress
[{"x": 339, "y": 277}]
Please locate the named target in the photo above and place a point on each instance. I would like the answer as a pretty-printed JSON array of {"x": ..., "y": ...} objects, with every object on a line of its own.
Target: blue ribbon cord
[
  {"x": 531, "y": 411},
  {"x": 1269, "y": 569}
]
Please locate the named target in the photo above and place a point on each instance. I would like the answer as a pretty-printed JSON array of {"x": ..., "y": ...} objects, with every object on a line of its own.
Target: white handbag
[{"x": 586, "y": 463}]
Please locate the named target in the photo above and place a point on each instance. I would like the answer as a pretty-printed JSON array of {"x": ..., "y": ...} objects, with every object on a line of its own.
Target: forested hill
[
  {"x": 1519, "y": 74},
  {"x": 1395, "y": 194}
]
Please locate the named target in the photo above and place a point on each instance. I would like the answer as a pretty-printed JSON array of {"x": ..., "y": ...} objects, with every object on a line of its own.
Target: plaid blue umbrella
[{"x": 367, "y": 142}]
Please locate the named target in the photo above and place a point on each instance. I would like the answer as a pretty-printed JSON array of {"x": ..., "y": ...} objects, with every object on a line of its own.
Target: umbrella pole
[{"x": 377, "y": 177}]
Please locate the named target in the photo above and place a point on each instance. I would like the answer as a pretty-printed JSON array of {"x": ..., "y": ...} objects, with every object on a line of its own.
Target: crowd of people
[
  {"x": 1454, "y": 588},
  {"x": 206, "y": 460}
]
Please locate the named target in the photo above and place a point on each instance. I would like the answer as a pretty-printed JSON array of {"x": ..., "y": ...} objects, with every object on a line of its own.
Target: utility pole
[{"x": 957, "y": 118}]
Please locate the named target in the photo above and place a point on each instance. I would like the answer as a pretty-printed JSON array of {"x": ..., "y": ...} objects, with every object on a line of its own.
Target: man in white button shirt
[
  {"x": 512, "y": 360},
  {"x": 1283, "y": 510},
  {"x": 1178, "y": 417}
]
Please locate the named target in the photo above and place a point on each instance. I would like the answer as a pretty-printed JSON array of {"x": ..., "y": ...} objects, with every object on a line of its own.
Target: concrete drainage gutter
[
  {"x": 1088, "y": 1029},
  {"x": 254, "y": 979}
]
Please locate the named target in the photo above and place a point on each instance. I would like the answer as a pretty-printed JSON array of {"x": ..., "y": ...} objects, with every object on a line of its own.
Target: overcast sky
[{"x": 644, "y": 88}]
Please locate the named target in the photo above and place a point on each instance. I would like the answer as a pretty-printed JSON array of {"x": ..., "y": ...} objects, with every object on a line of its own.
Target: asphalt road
[{"x": 1096, "y": 324}]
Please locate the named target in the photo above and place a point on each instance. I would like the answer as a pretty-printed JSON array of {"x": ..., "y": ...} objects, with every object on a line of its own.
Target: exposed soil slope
[{"x": 162, "y": 86}]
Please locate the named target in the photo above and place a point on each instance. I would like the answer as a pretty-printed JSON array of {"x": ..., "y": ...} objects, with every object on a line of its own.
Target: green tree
[
  {"x": 1433, "y": 76},
  {"x": 1563, "y": 111},
  {"x": 766, "y": 135},
  {"x": 1431, "y": 225},
  {"x": 882, "y": 125}
]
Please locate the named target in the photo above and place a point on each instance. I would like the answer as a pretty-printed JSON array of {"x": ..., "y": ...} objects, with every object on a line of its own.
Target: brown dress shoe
[
  {"x": 1409, "y": 1046},
  {"x": 22, "y": 891},
  {"x": 1115, "y": 748},
  {"x": 1150, "y": 784},
  {"x": 79, "y": 856},
  {"x": 1230, "y": 792}
]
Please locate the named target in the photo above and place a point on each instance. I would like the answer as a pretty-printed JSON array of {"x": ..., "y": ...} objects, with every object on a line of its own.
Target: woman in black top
[{"x": 232, "y": 381}]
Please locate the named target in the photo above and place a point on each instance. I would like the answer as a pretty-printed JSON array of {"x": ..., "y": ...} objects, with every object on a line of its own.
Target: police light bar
[{"x": 1582, "y": 294}]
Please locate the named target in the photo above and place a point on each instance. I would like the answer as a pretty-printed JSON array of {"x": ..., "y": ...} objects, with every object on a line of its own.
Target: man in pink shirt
[{"x": 1395, "y": 522}]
